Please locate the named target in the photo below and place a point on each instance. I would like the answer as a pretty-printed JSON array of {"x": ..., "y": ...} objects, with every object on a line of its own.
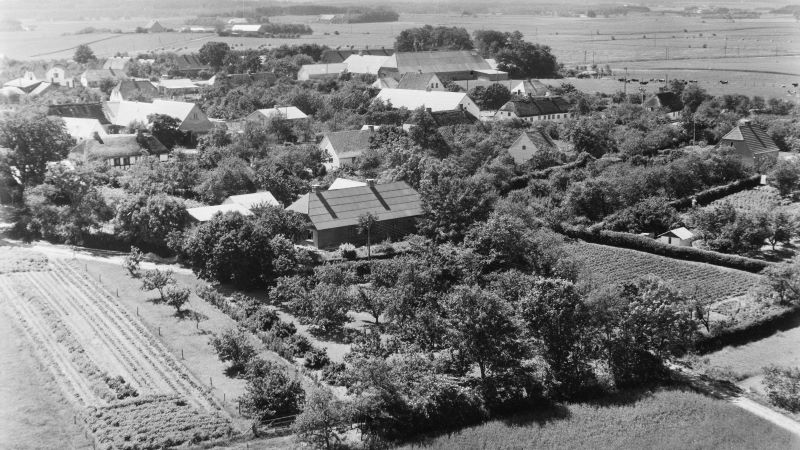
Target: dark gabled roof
[
  {"x": 669, "y": 100},
  {"x": 338, "y": 56},
  {"x": 415, "y": 80},
  {"x": 541, "y": 140},
  {"x": 246, "y": 78},
  {"x": 80, "y": 111},
  {"x": 128, "y": 87},
  {"x": 440, "y": 62},
  {"x": 189, "y": 62},
  {"x": 755, "y": 139},
  {"x": 537, "y": 106},
  {"x": 347, "y": 142},
  {"x": 342, "y": 207},
  {"x": 446, "y": 118},
  {"x": 116, "y": 146}
]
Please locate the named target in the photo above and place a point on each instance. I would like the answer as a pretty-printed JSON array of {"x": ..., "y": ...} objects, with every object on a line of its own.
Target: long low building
[
  {"x": 334, "y": 214},
  {"x": 434, "y": 101},
  {"x": 447, "y": 65}
]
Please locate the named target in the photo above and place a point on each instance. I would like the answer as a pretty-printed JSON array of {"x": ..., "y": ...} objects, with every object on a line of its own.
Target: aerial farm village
[{"x": 452, "y": 226}]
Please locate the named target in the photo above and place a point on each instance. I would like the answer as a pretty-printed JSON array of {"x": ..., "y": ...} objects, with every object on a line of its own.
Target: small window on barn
[{"x": 524, "y": 147}]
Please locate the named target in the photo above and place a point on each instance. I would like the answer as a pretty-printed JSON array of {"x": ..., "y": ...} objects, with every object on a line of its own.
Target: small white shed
[{"x": 679, "y": 236}]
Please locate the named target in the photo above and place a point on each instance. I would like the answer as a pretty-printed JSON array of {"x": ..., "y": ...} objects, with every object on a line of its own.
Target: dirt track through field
[{"x": 63, "y": 301}]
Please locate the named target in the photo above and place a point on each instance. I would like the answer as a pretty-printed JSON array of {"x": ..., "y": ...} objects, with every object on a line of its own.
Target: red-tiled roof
[{"x": 343, "y": 207}]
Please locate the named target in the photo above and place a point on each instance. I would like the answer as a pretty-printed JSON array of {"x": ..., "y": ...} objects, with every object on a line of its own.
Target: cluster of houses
[{"x": 405, "y": 81}]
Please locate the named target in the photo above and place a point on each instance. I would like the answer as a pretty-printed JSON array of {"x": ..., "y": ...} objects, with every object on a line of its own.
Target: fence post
[
  {"x": 181, "y": 353},
  {"x": 159, "y": 331}
]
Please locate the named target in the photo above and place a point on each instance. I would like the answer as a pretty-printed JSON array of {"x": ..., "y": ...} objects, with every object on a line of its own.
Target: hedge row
[
  {"x": 715, "y": 193},
  {"x": 521, "y": 181},
  {"x": 741, "y": 334},
  {"x": 649, "y": 245}
]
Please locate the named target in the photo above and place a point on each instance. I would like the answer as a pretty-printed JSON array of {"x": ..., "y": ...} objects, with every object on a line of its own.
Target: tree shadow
[{"x": 339, "y": 336}]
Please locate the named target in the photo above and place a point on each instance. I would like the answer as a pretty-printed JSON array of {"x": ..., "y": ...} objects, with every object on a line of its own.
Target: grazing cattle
[{"x": 723, "y": 81}]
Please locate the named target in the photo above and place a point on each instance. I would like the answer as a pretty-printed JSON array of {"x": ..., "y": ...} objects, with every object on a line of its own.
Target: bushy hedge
[
  {"x": 715, "y": 193},
  {"x": 649, "y": 245},
  {"x": 521, "y": 181}
]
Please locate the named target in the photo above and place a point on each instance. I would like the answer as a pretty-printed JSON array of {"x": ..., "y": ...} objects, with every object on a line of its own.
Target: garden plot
[
  {"x": 605, "y": 264},
  {"x": 107, "y": 362}
]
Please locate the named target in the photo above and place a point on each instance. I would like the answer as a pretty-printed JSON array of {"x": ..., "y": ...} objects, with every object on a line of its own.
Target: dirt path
[
  {"x": 728, "y": 391},
  {"x": 767, "y": 414}
]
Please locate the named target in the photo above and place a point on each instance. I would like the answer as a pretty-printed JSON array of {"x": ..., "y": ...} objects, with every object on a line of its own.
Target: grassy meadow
[{"x": 665, "y": 419}]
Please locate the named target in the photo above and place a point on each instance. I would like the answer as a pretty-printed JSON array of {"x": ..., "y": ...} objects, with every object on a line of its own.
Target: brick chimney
[
  {"x": 371, "y": 182},
  {"x": 314, "y": 188}
]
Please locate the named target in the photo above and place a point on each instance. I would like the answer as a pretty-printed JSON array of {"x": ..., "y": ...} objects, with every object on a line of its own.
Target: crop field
[
  {"x": 106, "y": 362},
  {"x": 667, "y": 419},
  {"x": 762, "y": 198},
  {"x": 756, "y": 56},
  {"x": 605, "y": 264}
]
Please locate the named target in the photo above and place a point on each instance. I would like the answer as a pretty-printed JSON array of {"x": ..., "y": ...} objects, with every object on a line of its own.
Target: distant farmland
[{"x": 755, "y": 56}]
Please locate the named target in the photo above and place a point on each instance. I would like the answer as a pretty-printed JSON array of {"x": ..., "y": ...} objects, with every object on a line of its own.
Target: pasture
[
  {"x": 755, "y": 56},
  {"x": 665, "y": 419}
]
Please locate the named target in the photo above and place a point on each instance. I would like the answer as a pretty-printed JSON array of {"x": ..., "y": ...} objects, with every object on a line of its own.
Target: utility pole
[{"x": 625, "y": 87}]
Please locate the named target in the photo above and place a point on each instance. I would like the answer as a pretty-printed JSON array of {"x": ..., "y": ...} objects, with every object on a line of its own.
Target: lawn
[{"x": 667, "y": 419}]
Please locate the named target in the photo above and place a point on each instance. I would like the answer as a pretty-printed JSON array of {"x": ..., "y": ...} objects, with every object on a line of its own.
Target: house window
[
  {"x": 524, "y": 147},
  {"x": 116, "y": 162},
  {"x": 126, "y": 161}
]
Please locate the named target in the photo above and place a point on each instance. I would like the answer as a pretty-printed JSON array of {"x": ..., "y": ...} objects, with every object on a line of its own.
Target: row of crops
[{"x": 605, "y": 264}]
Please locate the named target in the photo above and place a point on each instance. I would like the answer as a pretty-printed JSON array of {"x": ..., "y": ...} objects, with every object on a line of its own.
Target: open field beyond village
[{"x": 757, "y": 56}]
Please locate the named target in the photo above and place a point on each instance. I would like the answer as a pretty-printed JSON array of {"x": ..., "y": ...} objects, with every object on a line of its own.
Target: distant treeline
[{"x": 345, "y": 15}]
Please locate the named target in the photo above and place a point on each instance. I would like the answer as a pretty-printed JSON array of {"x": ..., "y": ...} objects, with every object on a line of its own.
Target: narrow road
[{"x": 108, "y": 256}]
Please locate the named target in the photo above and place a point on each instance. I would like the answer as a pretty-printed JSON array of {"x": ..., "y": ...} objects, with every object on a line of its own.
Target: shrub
[
  {"x": 298, "y": 344},
  {"x": 385, "y": 248},
  {"x": 783, "y": 386},
  {"x": 316, "y": 358},
  {"x": 233, "y": 345},
  {"x": 158, "y": 280},
  {"x": 132, "y": 261},
  {"x": 348, "y": 251},
  {"x": 334, "y": 374},
  {"x": 176, "y": 296},
  {"x": 263, "y": 319},
  {"x": 271, "y": 393}
]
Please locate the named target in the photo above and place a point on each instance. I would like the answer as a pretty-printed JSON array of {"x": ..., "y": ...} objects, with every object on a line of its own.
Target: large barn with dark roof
[
  {"x": 451, "y": 65},
  {"x": 333, "y": 214}
]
